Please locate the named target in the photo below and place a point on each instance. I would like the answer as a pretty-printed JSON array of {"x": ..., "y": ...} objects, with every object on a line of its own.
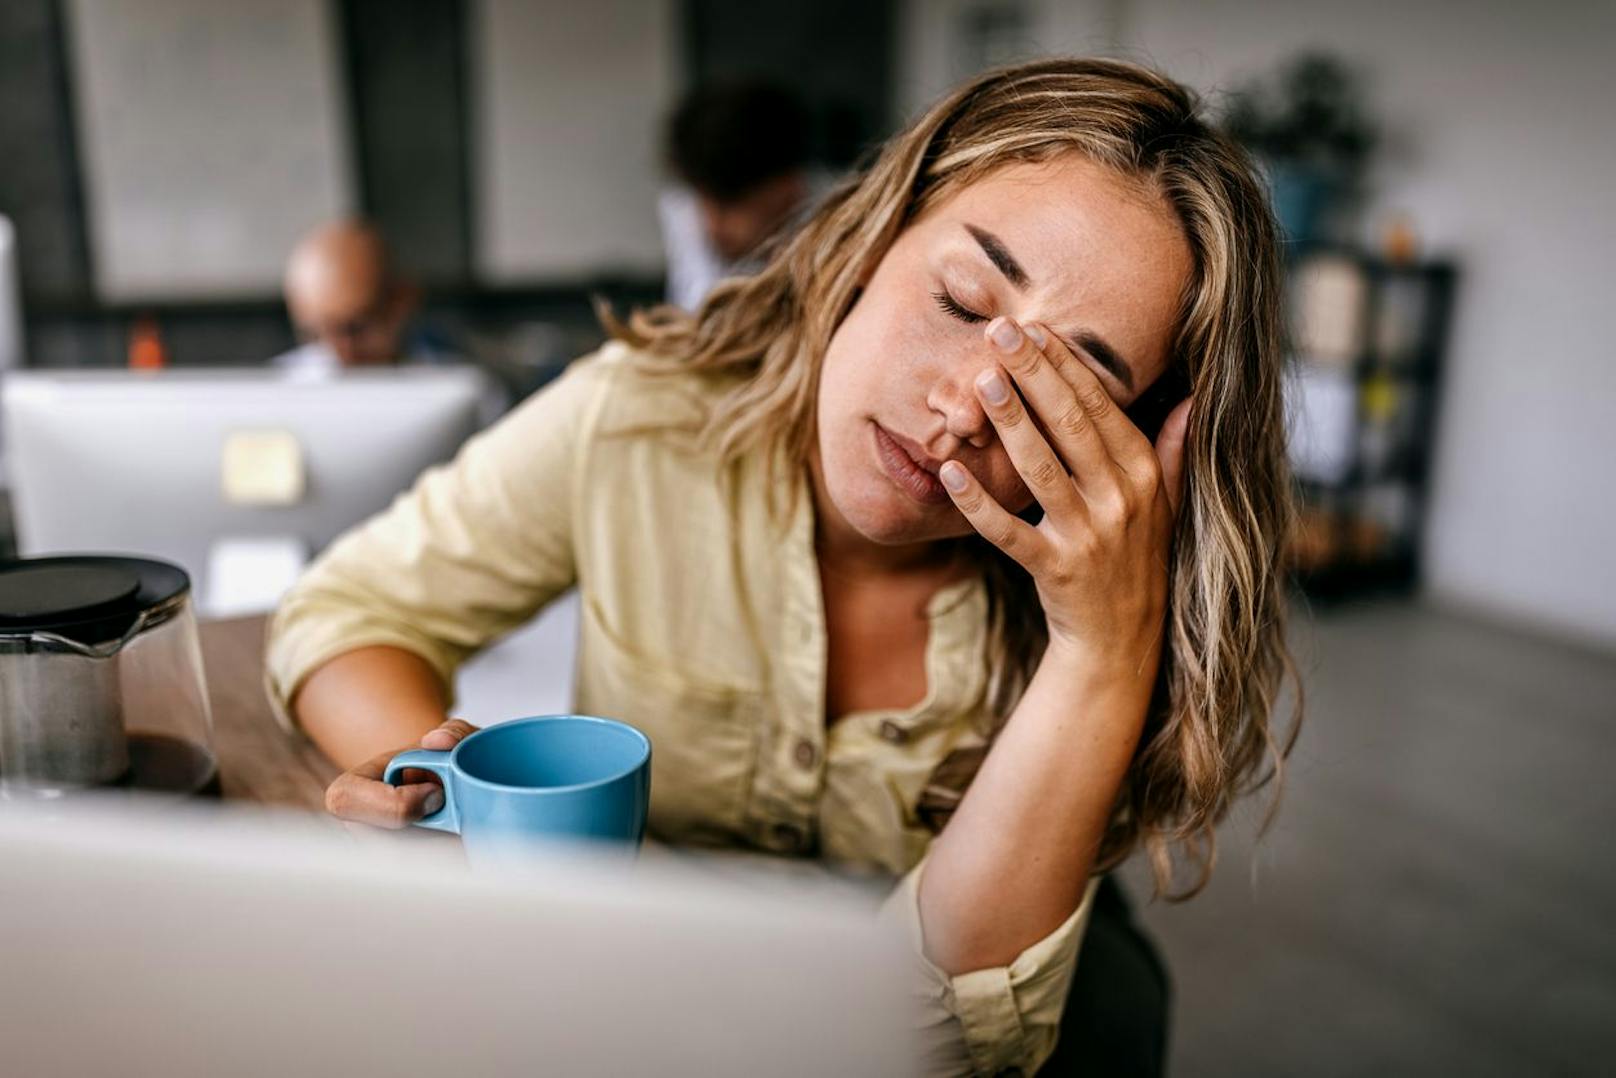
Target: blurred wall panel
[
  {"x": 569, "y": 99},
  {"x": 407, "y": 77},
  {"x": 212, "y": 137},
  {"x": 944, "y": 42},
  {"x": 39, "y": 187},
  {"x": 1500, "y": 113}
]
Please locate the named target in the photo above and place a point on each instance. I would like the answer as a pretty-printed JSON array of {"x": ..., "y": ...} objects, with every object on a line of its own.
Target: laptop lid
[{"x": 199, "y": 941}]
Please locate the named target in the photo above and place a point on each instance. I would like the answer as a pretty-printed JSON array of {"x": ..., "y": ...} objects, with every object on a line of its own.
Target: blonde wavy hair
[{"x": 1224, "y": 659}]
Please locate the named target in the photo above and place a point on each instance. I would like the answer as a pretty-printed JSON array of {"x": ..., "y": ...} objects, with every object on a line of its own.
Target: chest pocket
[{"x": 703, "y": 733}]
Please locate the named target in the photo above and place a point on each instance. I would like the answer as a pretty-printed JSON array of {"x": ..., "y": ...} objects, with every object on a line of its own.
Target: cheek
[
  {"x": 1005, "y": 483},
  {"x": 865, "y": 365},
  {"x": 838, "y": 387},
  {"x": 894, "y": 326}
]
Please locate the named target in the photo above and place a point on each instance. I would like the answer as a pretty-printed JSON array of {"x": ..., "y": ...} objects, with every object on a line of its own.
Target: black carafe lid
[{"x": 88, "y": 599}]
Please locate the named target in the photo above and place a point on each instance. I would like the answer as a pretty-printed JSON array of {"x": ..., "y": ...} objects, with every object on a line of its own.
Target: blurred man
[
  {"x": 349, "y": 304},
  {"x": 740, "y": 156}
]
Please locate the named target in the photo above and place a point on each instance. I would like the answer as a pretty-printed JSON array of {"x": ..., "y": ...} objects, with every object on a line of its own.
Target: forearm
[
  {"x": 369, "y": 700},
  {"x": 1014, "y": 861}
]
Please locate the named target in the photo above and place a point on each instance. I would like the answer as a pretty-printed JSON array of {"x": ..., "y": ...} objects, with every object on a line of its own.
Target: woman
[{"x": 966, "y": 510}]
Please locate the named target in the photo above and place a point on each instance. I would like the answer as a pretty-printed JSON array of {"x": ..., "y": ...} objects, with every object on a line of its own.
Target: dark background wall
[
  {"x": 407, "y": 90},
  {"x": 39, "y": 176},
  {"x": 836, "y": 54}
]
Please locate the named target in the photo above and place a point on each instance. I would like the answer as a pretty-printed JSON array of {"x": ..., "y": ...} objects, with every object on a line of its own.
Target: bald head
[{"x": 342, "y": 290}]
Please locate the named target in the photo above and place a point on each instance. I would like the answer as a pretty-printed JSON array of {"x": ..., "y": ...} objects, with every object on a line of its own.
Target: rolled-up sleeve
[
  {"x": 999, "y": 1021},
  {"x": 474, "y": 549}
]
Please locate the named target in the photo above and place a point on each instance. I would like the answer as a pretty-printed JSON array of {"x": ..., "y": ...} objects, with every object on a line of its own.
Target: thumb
[
  {"x": 1170, "y": 451},
  {"x": 447, "y": 735}
]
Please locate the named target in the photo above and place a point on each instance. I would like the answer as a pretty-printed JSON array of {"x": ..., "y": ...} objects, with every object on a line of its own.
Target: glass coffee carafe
[{"x": 101, "y": 681}]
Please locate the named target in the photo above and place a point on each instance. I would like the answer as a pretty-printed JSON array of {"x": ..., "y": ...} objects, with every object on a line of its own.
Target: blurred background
[{"x": 1435, "y": 892}]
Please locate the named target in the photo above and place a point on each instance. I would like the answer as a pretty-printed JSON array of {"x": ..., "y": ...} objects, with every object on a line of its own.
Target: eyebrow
[
  {"x": 1103, "y": 355},
  {"x": 994, "y": 248},
  {"x": 1091, "y": 343}
]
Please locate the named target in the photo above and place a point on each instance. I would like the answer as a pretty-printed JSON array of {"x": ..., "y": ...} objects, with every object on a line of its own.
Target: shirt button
[
  {"x": 806, "y": 754},
  {"x": 893, "y": 733}
]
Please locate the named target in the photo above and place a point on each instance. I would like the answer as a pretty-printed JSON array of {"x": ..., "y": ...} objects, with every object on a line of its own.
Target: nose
[{"x": 953, "y": 397}]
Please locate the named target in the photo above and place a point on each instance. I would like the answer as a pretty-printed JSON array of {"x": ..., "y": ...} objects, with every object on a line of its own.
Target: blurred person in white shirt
[{"x": 739, "y": 156}]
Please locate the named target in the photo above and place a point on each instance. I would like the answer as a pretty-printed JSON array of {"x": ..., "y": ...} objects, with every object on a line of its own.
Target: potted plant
[{"x": 1307, "y": 125}]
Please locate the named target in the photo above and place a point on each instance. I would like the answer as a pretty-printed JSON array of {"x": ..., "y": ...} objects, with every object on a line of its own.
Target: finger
[
  {"x": 447, "y": 735},
  {"x": 376, "y": 766},
  {"x": 1073, "y": 431},
  {"x": 1003, "y": 529},
  {"x": 1038, "y": 465},
  {"x": 357, "y": 795},
  {"x": 1128, "y": 447},
  {"x": 1170, "y": 452}
]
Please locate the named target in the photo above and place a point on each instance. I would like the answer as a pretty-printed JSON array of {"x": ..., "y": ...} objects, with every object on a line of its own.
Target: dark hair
[{"x": 728, "y": 140}]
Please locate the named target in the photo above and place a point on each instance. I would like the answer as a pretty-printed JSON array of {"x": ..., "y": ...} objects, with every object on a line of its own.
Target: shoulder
[
  {"x": 606, "y": 407},
  {"x": 311, "y": 358},
  {"x": 638, "y": 394}
]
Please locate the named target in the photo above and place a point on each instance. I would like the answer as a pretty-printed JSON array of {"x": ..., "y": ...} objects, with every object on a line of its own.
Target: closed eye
[{"x": 952, "y": 306}]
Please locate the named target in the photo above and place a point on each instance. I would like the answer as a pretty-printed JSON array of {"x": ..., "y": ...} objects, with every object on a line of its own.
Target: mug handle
[{"x": 446, "y": 818}]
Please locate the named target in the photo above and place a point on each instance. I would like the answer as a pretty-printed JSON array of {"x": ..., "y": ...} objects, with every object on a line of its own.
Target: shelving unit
[{"x": 1368, "y": 339}]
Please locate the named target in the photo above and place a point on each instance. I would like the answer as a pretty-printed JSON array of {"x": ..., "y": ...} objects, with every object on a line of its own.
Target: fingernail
[
  {"x": 433, "y": 803},
  {"x": 953, "y": 476},
  {"x": 1035, "y": 335},
  {"x": 1005, "y": 335},
  {"x": 994, "y": 391}
]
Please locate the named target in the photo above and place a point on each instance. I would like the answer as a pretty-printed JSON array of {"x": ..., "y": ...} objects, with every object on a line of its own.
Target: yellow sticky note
[{"x": 262, "y": 467}]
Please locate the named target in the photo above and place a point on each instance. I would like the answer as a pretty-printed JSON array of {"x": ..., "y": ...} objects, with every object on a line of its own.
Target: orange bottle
[{"x": 146, "y": 349}]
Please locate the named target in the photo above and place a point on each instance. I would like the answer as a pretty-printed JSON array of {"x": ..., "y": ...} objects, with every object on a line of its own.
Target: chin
[{"x": 884, "y": 515}]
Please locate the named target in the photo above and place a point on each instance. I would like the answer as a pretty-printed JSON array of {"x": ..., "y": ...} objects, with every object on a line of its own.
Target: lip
[{"x": 909, "y": 467}]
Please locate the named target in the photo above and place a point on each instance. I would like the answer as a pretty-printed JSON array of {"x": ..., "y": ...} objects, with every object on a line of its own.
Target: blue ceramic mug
[{"x": 520, "y": 784}]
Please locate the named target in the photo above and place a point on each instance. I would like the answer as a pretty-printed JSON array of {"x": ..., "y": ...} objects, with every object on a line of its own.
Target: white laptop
[{"x": 204, "y": 942}]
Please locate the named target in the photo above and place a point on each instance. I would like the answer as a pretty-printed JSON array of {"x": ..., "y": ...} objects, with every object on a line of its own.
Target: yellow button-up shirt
[{"x": 703, "y": 625}]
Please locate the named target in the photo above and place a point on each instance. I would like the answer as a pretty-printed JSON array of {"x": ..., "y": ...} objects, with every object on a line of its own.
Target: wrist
[{"x": 1101, "y": 670}]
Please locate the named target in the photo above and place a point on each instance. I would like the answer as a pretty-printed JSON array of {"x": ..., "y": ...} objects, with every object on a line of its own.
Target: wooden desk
[{"x": 258, "y": 760}]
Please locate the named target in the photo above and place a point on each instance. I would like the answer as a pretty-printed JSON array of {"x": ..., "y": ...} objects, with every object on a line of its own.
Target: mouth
[{"x": 908, "y": 466}]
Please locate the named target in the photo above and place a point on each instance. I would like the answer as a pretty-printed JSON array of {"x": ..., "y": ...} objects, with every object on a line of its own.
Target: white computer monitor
[{"x": 234, "y": 475}]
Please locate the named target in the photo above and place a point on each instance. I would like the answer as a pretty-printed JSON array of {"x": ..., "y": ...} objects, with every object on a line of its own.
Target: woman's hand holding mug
[
  {"x": 360, "y": 795},
  {"x": 512, "y": 789}
]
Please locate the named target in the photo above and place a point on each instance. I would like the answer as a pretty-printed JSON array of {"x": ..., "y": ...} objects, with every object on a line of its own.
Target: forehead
[
  {"x": 340, "y": 300},
  {"x": 1100, "y": 250}
]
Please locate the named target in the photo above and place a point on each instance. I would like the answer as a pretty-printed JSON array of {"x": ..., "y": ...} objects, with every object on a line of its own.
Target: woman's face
[{"x": 1065, "y": 243}]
